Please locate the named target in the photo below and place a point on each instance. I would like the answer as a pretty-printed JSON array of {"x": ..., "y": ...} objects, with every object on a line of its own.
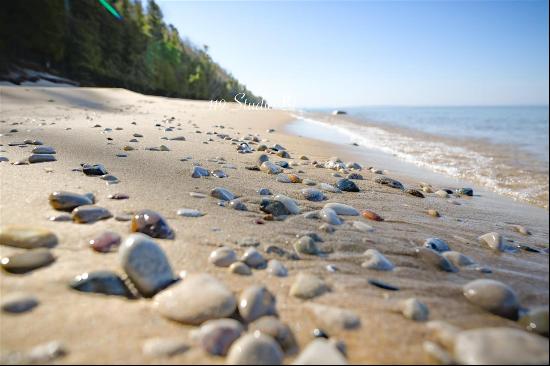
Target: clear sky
[{"x": 337, "y": 54}]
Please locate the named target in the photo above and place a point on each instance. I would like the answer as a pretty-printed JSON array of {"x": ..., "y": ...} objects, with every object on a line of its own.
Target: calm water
[{"x": 504, "y": 149}]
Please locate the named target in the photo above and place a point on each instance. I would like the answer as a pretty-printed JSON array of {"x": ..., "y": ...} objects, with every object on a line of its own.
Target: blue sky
[{"x": 337, "y": 54}]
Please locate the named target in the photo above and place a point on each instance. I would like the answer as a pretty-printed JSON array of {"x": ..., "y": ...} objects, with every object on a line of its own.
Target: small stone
[
  {"x": 415, "y": 310},
  {"x": 46, "y": 352},
  {"x": 438, "y": 353},
  {"x": 306, "y": 245},
  {"x": 248, "y": 242},
  {"x": 101, "y": 282},
  {"x": 217, "y": 335},
  {"x": 128, "y": 148},
  {"x": 137, "y": 135},
  {"x": 521, "y": 229},
  {"x": 264, "y": 192},
  {"x": 334, "y": 318},
  {"x": 307, "y": 286},
  {"x": 436, "y": 244},
  {"x": 312, "y": 194},
  {"x": 327, "y": 228},
  {"x": 434, "y": 259},
  {"x": 383, "y": 285},
  {"x": 240, "y": 268},
  {"x": 109, "y": 178},
  {"x": 389, "y": 182},
  {"x": 60, "y": 218},
  {"x": 253, "y": 258},
  {"x": 189, "y": 212},
  {"x": 151, "y": 223},
  {"x": 536, "y": 320},
  {"x": 500, "y": 346},
  {"x": 274, "y": 208},
  {"x": 164, "y": 347},
  {"x": 197, "y": 195},
  {"x": 145, "y": 264},
  {"x": 276, "y": 268},
  {"x": 255, "y": 302},
  {"x": 342, "y": 209},
  {"x": 361, "y": 226},
  {"x": 441, "y": 193},
  {"x": 355, "y": 176},
  {"x": 346, "y": 185},
  {"x": 89, "y": 214},
  {"x": 371, "y": 215},
  {"x": 41, "y": 158},
  {"x": 222, "y": 194},
  {"x": 199, "y": 171},
  {"x": 375, "y": 260},
  {"x": 223, "y": 257},
  {"x": 219, "y": 173},
  {"x": 280, "y": 332},
  {"x": 27, "y": 237},
  {"x": 118, "y": 196},
  {"x": 105, "y": 242},
  {"x": 18, "y": 302},
  {"x": 493, "y": 296},
  {"x": 458, "y": 259},
  {"x": 329, "y": 216},
  {"x": 123, "y": 217},
  {"x": 237, "y": 205},
  {"x": 270, "y": 168},
  {"x": 433, "y": 213},
  {"x": 329, "y": 188},
  {"x": 67, "y": 201},
  {"x": 27, "y": 261},
  {"x": 465, "y": 192},
  {"x": 414, "y": 192},
  {"x": 196, "y": 299},
  {"x": 255, "y": 349},
  {"x": 494, "y": 240},
  {"x": 94, "y": 169},
  {"x": 320, "y": 351},
  {"x": 43, "y": 150},
  {"x": 289, "y": 203}
]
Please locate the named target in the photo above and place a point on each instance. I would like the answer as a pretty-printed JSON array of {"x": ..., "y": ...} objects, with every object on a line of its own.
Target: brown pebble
[
  {"x": 371, "y": 216},
  {"x": 433, "y": 213},
  {"x": 105, "y": 242}
]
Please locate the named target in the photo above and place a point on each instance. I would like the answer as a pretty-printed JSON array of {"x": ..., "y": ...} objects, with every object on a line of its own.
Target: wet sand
[{"x": 106, "y": 329}]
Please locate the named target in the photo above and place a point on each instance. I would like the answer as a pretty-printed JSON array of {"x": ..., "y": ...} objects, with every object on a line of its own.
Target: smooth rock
[
  {"x": 43, "y": 150},
  {"x": 217, "y": 335},
  {"x": 465, "y": 192},
  {"x": 199, "y": 171},
  {"x": 90, "y": 213},
  {"x": 414, "y": 310},
  {"x": 283, "y": 178},
  {"x": 27, "y": 237},
  {"x": 536, "y": 320},
  {"x": 389, "y": 182},
  {"x": 223, "y": 257},
  {"x": 152, "y": 224},
  {"x": 238, "y": 205},
  {"x": 329, "y": 216},
  {"x": 329, "y": 188},
  {"x": 312, "y": 194},
  {"x": 441, "y": 193},
  {"x": 306, "y": 245},
  {"x": 437, "y": 244},
  {"x": 434, "y": 259},
  {"x": 494, "y": 241},
  {"x": 270, "y": 168},
  {"x": 240, "y": 268},
  {"x": 253, "y": 258},
  {"x": 307, "y": 286},
  {"x": 289, "y": 203},
  {"x": 383, "y": 285},
  {"x": 164, "y": 347},
  {"x": 334, "y": 318},
  {"x": 41, "y": 158},
  {"x": 105, "y": 242},
  {"x": 272, "y": 326},
  {"x": 342, "y": 209},
  {"x": 493, "y": 296},
  {"x": 93, "y": 169},
  {"x": 371, "y": 215},
  {"x": 27, "y": 261},
  {"x": 375, "y": 260},
  {"x": 145, "y": 264},
  {"x": 118, "y": 196},
  {"x": 458, "y": 259},
  {"x": 433, "y": 213},
  {"x": 255, "y": 302},
  {"x": 255, "y": 349},
  {"x": 521, "y": 229},
  {"x": 46, "y": 352},
  {"x": 102, "y": 282},
  {"x": 196, "y": 299},
  {"x": 274, "y": 208},
  {"x": 346, "y": 185},
  {"x": 18, "y": 302},
  {"x": 189, "y": 212},
  {"x": 361, "y": 226},
  {"x": 276, "y": 268},
  {"x": 414, "y": 192},
  {"x": 320, "y": 351},
  {"x": 222, "y": 194},
  {"x": 264, "y": 192}
]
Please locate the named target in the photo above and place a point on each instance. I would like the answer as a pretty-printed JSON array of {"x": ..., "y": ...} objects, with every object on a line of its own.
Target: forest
[{"x": 83, "y": 41}]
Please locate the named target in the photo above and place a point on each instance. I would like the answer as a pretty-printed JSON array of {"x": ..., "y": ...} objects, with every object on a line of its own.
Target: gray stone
[
  {"x": 289, "y": 203},
  {"x": 333, "y": 318},
  {"x": 307, "y": 286},
  {"x": 26, "y": 237},
  {"x": 18, "y": 302},
  {"x": 253, "y": 258},
  {"x": 272, "y": 326},
  {"x": 342, "y": 209},
  {"x": 375, "y": 260},
  {"x": 255, "y": 349},
  {"x": 240, "y": 268},
  {"x": 101, "y": 282},
  {"x": 329, "y": 216},
  {"x": 276, "y": 268},
  {"x": 223, "y": 257},
  {"x": 329, "y": 188},
  {"x": 189, "y": 212},
  {"x": 434, "y": 259},
  {"x": 437, "y": 244},
  {"x": 43, "y": 150},
  {"x": 312, "y": 194},
  {"x": 217, "y": 335},
  {"x": 493, "y": 296},
  {"x": 222, "y": 194},
  {"x": 199, "y": 171},
  {"x": 306, "y": 245},
  {"x": 320, "y": 351},
  {"x": 458, "y": 259},
  {"x": 414, "y": 310},
  {"x": 90, "y": 213},
  {"x": 164, "y": 347},
  {"x": 255, "y": 302},
  {"x": 41, "y": 158},
  {"x": 27, "y": 261},
  {"x": 494, "y": 241}
]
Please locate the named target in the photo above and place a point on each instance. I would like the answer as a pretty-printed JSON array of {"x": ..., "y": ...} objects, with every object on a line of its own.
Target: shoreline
[{"x": 116, "y": 327}]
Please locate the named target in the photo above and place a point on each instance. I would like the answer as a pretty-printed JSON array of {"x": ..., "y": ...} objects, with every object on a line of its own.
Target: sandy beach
[{"x": 97, "y": 328}]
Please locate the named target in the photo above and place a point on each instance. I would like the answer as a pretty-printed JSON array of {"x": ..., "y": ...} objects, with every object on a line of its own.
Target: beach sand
[{"x": 107, "y": 329}]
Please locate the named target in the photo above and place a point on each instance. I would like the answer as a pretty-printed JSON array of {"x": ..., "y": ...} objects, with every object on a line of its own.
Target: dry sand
[{"x": 103, "y": 329}]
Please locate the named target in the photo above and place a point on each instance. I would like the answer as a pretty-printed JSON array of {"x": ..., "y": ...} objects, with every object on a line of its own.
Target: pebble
[
  {"x": 441, "y": 193},
  {"x": 536, "y": 320},
  {"x": 437, "y": 353},
  {"x": 41, "y": 158},
  {"x": 276, "y": 268},
  {"x": 189, "y": 212},
  {"x": 164, "y": 347},
  {"x": 370, "y": 215},
  {"x": 237, "y": 205},
  {"x": 289, "y": 203},
  {"x": 27, "y": 261},
  {"x": 199, "y": 171},
  {"x": 433, "y": 213},
  {"x": 310, "y": 182},
  {"x": 361, "y": 226},
  {"x": 222, "y": 194},
  {"x": 223, "y": 257},
  {"x": 46, "y": 352},
  {"x": 342, "y": 209},
  {"x": 437, "y": 244},
  {"x": 217, "y": 335},
  {"x": 334, "y": 318},
  {"x": 145, "y": 264},
  {"x": 346, "y": 185},
  {"x": 27, "y": 237},
  {"x": 320, "y": 351},
  {"x": 118, "y": 196},
  {"x": 256, "y": 301},
  {"x": 197, "y": 195},
  {"x": 253, "y": 258},
  {"x": 105, "y": 242},
  {"x": 274, "y": 208},
  {"x": 248, "y": 242},
  {"x": 93, "y": 169},
  {"x": 43, "y": 150},
  {"x": 240, "y": 268},
  {"x": 255, "y": 349},
  {"x": 196, "y": 299},
  {"x": 264, "y": 192},
  {"x": 67, "y": 201},
  {"x": 494, "y": 241},
  {"x": 306, "y": 245},
  {"x": 521, "y": 229},
  {"x": 383, "y": 285},
  {"x": 389, "y": 182},
  {"x": 329, "y": 188},
  {"x": 307, "y": 286},
  {"x": 414, "y": 192},
  {"x": 18, "y": 302},
  {"x": 312, "y": 194},
  {"x": 101, "y": 282},
  {"x": 283, "y": 178},
  {"x": 151, "y": 223},
  {"x": 89, "y": 214},
  {"x": 465, "y": 192},
  {"x": 493, "y": 296},
  {"x": 415, "y": 310},
  {"x": 434, "y": 259},
  {"x": 377, "y": 261},
  {"x": 279, "y": 331},
  {"x": 123, "y": 217},
  {"x": 329, "y": 216},
  {"x": 109, "y": 178},
  {"x": 270, "y": 168},
  {"x": 500, "y": 346},
  {"x": 458, "y": 259},
  {"x": 355, "y": 176}
]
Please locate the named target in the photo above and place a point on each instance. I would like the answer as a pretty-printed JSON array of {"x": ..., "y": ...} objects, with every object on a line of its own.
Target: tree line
[{"x": 82, "y": 41}]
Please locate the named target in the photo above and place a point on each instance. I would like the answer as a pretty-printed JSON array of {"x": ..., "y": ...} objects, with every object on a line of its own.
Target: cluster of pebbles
[{"x": 244, "y": 327}]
